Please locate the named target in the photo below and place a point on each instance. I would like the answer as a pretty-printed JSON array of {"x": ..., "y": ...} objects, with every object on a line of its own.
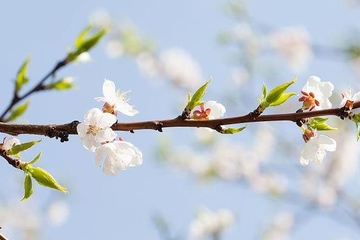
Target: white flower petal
[
  {"x": 119, "y": 155},
  {"x": 109, "y": 89},
  {"x": 315, "y": 149},
  {"x": 217, "y": 109},
  {"x": 327, "y": 143},
  {"x": 326, "y": 89},
  {"x": 9, "y": 143},
  {"x": 311, "y": 84}
]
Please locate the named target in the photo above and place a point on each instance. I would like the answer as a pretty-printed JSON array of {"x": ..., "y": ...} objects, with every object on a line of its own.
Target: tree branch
[{"x": 63, "y": 130}]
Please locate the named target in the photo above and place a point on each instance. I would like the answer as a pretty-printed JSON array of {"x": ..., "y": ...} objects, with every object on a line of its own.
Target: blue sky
[{"x": 122, "y": 207}]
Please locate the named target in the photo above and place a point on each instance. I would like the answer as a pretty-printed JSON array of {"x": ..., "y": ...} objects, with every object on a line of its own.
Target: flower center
[
  {"x": 202, "y": 113},
  {"x": 108, "y": 108},
  {"x": 309, "y": 101},
  {"x": 93, "y": 129},
  {"x": 308, "y": 134}
]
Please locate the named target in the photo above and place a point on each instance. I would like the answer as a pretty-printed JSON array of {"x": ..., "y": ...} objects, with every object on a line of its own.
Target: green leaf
[
  {"x": 84, "y": 43},
  {"x": 233, "y": 130},
  {"x": 195, "y": 100},
  {"x": 21, "y": 147},
  {"x": 282, "y": 98},
  {"x": 28, "y": 189},
  {"x": 263, "y": 91},
  {"x": 356, "y": 120},
  {"x": 320, "y": 119},
  {"x": 62, "y": 84},
  {"x": 320, "y": 124},
  {"x": 21, "y": 77},
  {"x": 276, "y": 92},
  {"x": 80, "y": 39},
  {"x": 44, "y": 178},
  {"x": 35, "y": 159},
  {"x": 18, "y": 111}
]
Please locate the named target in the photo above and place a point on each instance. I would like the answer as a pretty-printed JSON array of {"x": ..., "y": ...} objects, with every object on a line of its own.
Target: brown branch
[
  {"x": 38, "y": 87},
  {"x": 63, "y": 130}
]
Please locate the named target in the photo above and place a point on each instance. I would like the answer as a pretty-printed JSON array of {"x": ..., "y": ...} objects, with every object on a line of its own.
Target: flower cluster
[
  {"x": 97, "y": 136},
  {"x": 316, "y": 96}
]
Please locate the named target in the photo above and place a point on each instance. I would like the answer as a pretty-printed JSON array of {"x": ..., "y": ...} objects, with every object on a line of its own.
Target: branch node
[
  {"x": 53, "y": 133},
  {"x": 257, "y": 112},
  {"x": 159, "y": 126},
  {"x": 343, "y": 113},
  {"x": 301, "y": 121},
  {"x": 219, "y": 129}
]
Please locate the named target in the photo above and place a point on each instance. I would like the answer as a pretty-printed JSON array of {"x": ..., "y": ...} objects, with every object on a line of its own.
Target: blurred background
[{"x": 193, "y": 184}]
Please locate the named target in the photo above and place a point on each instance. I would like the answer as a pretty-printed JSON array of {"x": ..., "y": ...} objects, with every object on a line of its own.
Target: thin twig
[{"x": 36, "y": 88}]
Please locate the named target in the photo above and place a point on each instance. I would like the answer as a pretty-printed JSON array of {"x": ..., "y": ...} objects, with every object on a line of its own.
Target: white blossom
[
  {"x": 118, "y": 155},
  {"x": 315, "y": 149},
  {"x": 83, "y": 58},
  {"x": 208, "y": 110},
  {"x": 8, "y": 143},
  {"x": 95, "y": 129},
  {"x": 115, "y": 101},
  {"x": 316, "y": 94},
  {"x": 348, "y": 96}
]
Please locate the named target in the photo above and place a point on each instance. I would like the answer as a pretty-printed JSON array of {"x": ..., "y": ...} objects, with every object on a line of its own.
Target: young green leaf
[
  {"x": 21, "y": 147},
  {"x": 84, "y": 43},
  {"x": 276, "y": 92},
  {"x": 282, "y": 98},
  {"x": 18, "y": 111},
  {"x": 80, "y": 39},
  {"x": 320, "y": 124},
  {"x": 62, "y": 84},
  {"x": 195, "y": 100},
  {"x": 44, "y": 178},
  {"x": 263, "y": 91},
  {"x": 35, "y": 159},
  {"x": 233, "y": 130},
  {"x": 28, "y": 189},
  {"x": 21, "y": 77}
]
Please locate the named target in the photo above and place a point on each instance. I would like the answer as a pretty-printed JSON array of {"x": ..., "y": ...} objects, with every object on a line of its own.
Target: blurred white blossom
[
  {"x": 280, "y": 227},
  {"x": 181, "y": 68},
  {"x": 114, "y": 48},
  {"x": 240, "y": 76},
  {"x": 100, "y": 18},
  {"x": 83, "y": 58},
  {"x": 208, "y": 223},
  {"x": 148, "y": 64},
  {"x": 58, "y": 212},
  {"x": 294, "y": 45}
]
